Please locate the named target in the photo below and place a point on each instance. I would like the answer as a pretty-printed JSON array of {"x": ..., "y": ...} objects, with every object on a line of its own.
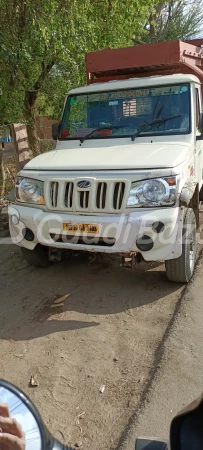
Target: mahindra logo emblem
[{"x": 84, "y": 184}]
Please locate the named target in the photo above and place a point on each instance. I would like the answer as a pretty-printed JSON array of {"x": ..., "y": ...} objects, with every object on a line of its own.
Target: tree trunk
[
  {"x": 153, "y": 19},
  {"x": 152, "y": 30},
  {"x": 2, "y": 175},
  {"x": 29, "y": 104},
  {"x": 33, "y": 138}
]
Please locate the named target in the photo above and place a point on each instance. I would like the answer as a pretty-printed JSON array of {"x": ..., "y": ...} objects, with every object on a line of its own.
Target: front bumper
[{"x": 116, "y": 233}]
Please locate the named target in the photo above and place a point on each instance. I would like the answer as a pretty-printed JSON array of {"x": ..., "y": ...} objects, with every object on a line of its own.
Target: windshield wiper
[
  {"x": 110, "y": 127},
  {"x": 152, "y": 123}
]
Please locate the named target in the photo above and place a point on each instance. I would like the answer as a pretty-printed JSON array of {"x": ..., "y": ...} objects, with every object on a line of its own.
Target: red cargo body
[{"x": 164, "y": 58}]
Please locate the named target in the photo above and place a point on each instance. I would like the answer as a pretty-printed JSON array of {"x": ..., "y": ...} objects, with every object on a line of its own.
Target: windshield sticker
[
  {"x": 124, "y": 94},
  {"x": 131, "y": 94},
  {"x": 72, "y": 101},
  {"x": 184, "y": 89},
  {"x": 113, "y": 103},
  {"x": 165, "y": 90}
]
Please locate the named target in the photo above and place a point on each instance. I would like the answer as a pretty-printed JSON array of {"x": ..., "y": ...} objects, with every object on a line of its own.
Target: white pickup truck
[{"x": 125, "y": 177}]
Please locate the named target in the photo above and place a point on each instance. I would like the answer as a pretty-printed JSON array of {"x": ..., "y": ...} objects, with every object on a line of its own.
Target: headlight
[
  {"x": 153, "y": 192},
  {"x": 29, "y": 190}
]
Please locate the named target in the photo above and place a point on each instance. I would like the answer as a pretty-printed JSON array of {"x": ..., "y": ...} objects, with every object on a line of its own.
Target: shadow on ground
[{"x": 39, "y": 302}]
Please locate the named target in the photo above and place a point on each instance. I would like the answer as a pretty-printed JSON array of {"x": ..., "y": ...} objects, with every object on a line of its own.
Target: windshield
[{"x": 123, "y": 113}]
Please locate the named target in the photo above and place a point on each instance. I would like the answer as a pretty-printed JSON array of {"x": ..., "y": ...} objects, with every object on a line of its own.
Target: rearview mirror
[
  {"x": 28, "y": 431},
  {"x": 150, "y": 444},
  {"x": 55, "y": 130}
]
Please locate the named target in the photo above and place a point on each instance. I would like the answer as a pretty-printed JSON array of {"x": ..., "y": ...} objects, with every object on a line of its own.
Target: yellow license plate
[{"x": 81, "y": 227}]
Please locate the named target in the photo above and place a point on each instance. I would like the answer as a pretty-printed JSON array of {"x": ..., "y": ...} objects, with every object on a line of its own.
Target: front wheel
[
  {"x": 38, "y": 257},
  {"x": 182, "y": 269}
]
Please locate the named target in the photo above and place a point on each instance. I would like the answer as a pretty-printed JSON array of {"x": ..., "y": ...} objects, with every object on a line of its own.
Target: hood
[{"x": 112, "y": 157}]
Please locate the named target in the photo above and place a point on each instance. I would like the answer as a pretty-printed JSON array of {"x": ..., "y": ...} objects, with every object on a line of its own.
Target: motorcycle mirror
[
  {"x": 186, "y": 431},
  {"x": 150, "y": 444},
  {"x": 37, "y": 436}
]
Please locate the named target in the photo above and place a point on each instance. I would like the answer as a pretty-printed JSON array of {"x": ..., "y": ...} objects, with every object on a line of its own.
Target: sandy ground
[{"x": 79, "y": 325}]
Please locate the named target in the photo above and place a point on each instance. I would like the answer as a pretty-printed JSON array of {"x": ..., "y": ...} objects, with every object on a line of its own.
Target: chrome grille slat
[
  {"x": 83, "y": 199},
  {"x": 69, "y": 195},
  {"x": 54, "y": 193},
  {"x": 81, "y": 195},
  {"x": 118, "y": 196},
  {"x": 101, "y": 195},
  {"x": 119, "y": 190}
]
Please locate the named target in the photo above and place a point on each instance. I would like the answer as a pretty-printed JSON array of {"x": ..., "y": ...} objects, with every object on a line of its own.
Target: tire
[
  {"x": 39, "y": 257},
  {"x": 181, "y": 269}
]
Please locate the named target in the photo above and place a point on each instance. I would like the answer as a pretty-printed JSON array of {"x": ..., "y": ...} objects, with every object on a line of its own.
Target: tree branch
[
  {"x": 137, "y": 41},
  {"x": 45, "y": 71}
]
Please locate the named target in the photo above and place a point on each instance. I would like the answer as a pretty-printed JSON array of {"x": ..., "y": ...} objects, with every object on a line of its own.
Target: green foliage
[
  {"x": 43, "y": 43},
  {"x": 46, "y": 145}
]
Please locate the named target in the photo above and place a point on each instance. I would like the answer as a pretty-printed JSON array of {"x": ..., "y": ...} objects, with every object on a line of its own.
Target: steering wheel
[{"x": 102, "y": 123}]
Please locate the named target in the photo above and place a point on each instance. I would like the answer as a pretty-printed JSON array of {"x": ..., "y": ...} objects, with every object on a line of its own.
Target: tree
[
  {"x": 171, "y": 20},
  {"x": 42, "y": 47}
]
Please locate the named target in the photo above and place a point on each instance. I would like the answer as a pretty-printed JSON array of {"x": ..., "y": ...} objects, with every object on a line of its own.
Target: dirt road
[
  {"x": 178, "y": 380},
  {"x": 79, "y": 325}
]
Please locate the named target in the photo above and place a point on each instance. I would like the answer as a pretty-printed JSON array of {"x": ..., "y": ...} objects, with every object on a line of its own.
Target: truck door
[{"x": 199, "y": 138}]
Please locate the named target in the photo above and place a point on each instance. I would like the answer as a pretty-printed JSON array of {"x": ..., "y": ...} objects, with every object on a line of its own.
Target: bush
[{"x": 46, "y": 145}]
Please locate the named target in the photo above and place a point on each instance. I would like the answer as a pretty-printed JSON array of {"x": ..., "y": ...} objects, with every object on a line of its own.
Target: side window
[{"x": 197, "y": 108}]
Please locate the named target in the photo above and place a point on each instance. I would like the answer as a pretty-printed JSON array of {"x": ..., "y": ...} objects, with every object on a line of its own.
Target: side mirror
[
  {"x": 150, "y": 444},
  {"x": 15, "y": 404},
  {"x": 201, "y": 123},
  {"x": 55, "y": 130}
]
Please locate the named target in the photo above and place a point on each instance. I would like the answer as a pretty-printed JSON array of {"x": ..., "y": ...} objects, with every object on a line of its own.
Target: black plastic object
[
  {"x": 48, "y": 441},
  {"x": 144, "y": 243},
  {"x": 186, "y": 432},
  {"x": 148, "y": 444},
  {"x": 158, "y": 227},
  {"x": 28, "y": 234},
  {"x": 200, "y": 126},
  {"x": 55, "y": 130}
]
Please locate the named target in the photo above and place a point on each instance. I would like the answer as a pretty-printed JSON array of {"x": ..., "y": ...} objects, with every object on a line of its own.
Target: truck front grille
[{"x": 109, "y": 196}]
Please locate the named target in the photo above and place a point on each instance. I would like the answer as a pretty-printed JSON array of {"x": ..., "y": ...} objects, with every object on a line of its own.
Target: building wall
[{"x": 44, "y": 127}]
